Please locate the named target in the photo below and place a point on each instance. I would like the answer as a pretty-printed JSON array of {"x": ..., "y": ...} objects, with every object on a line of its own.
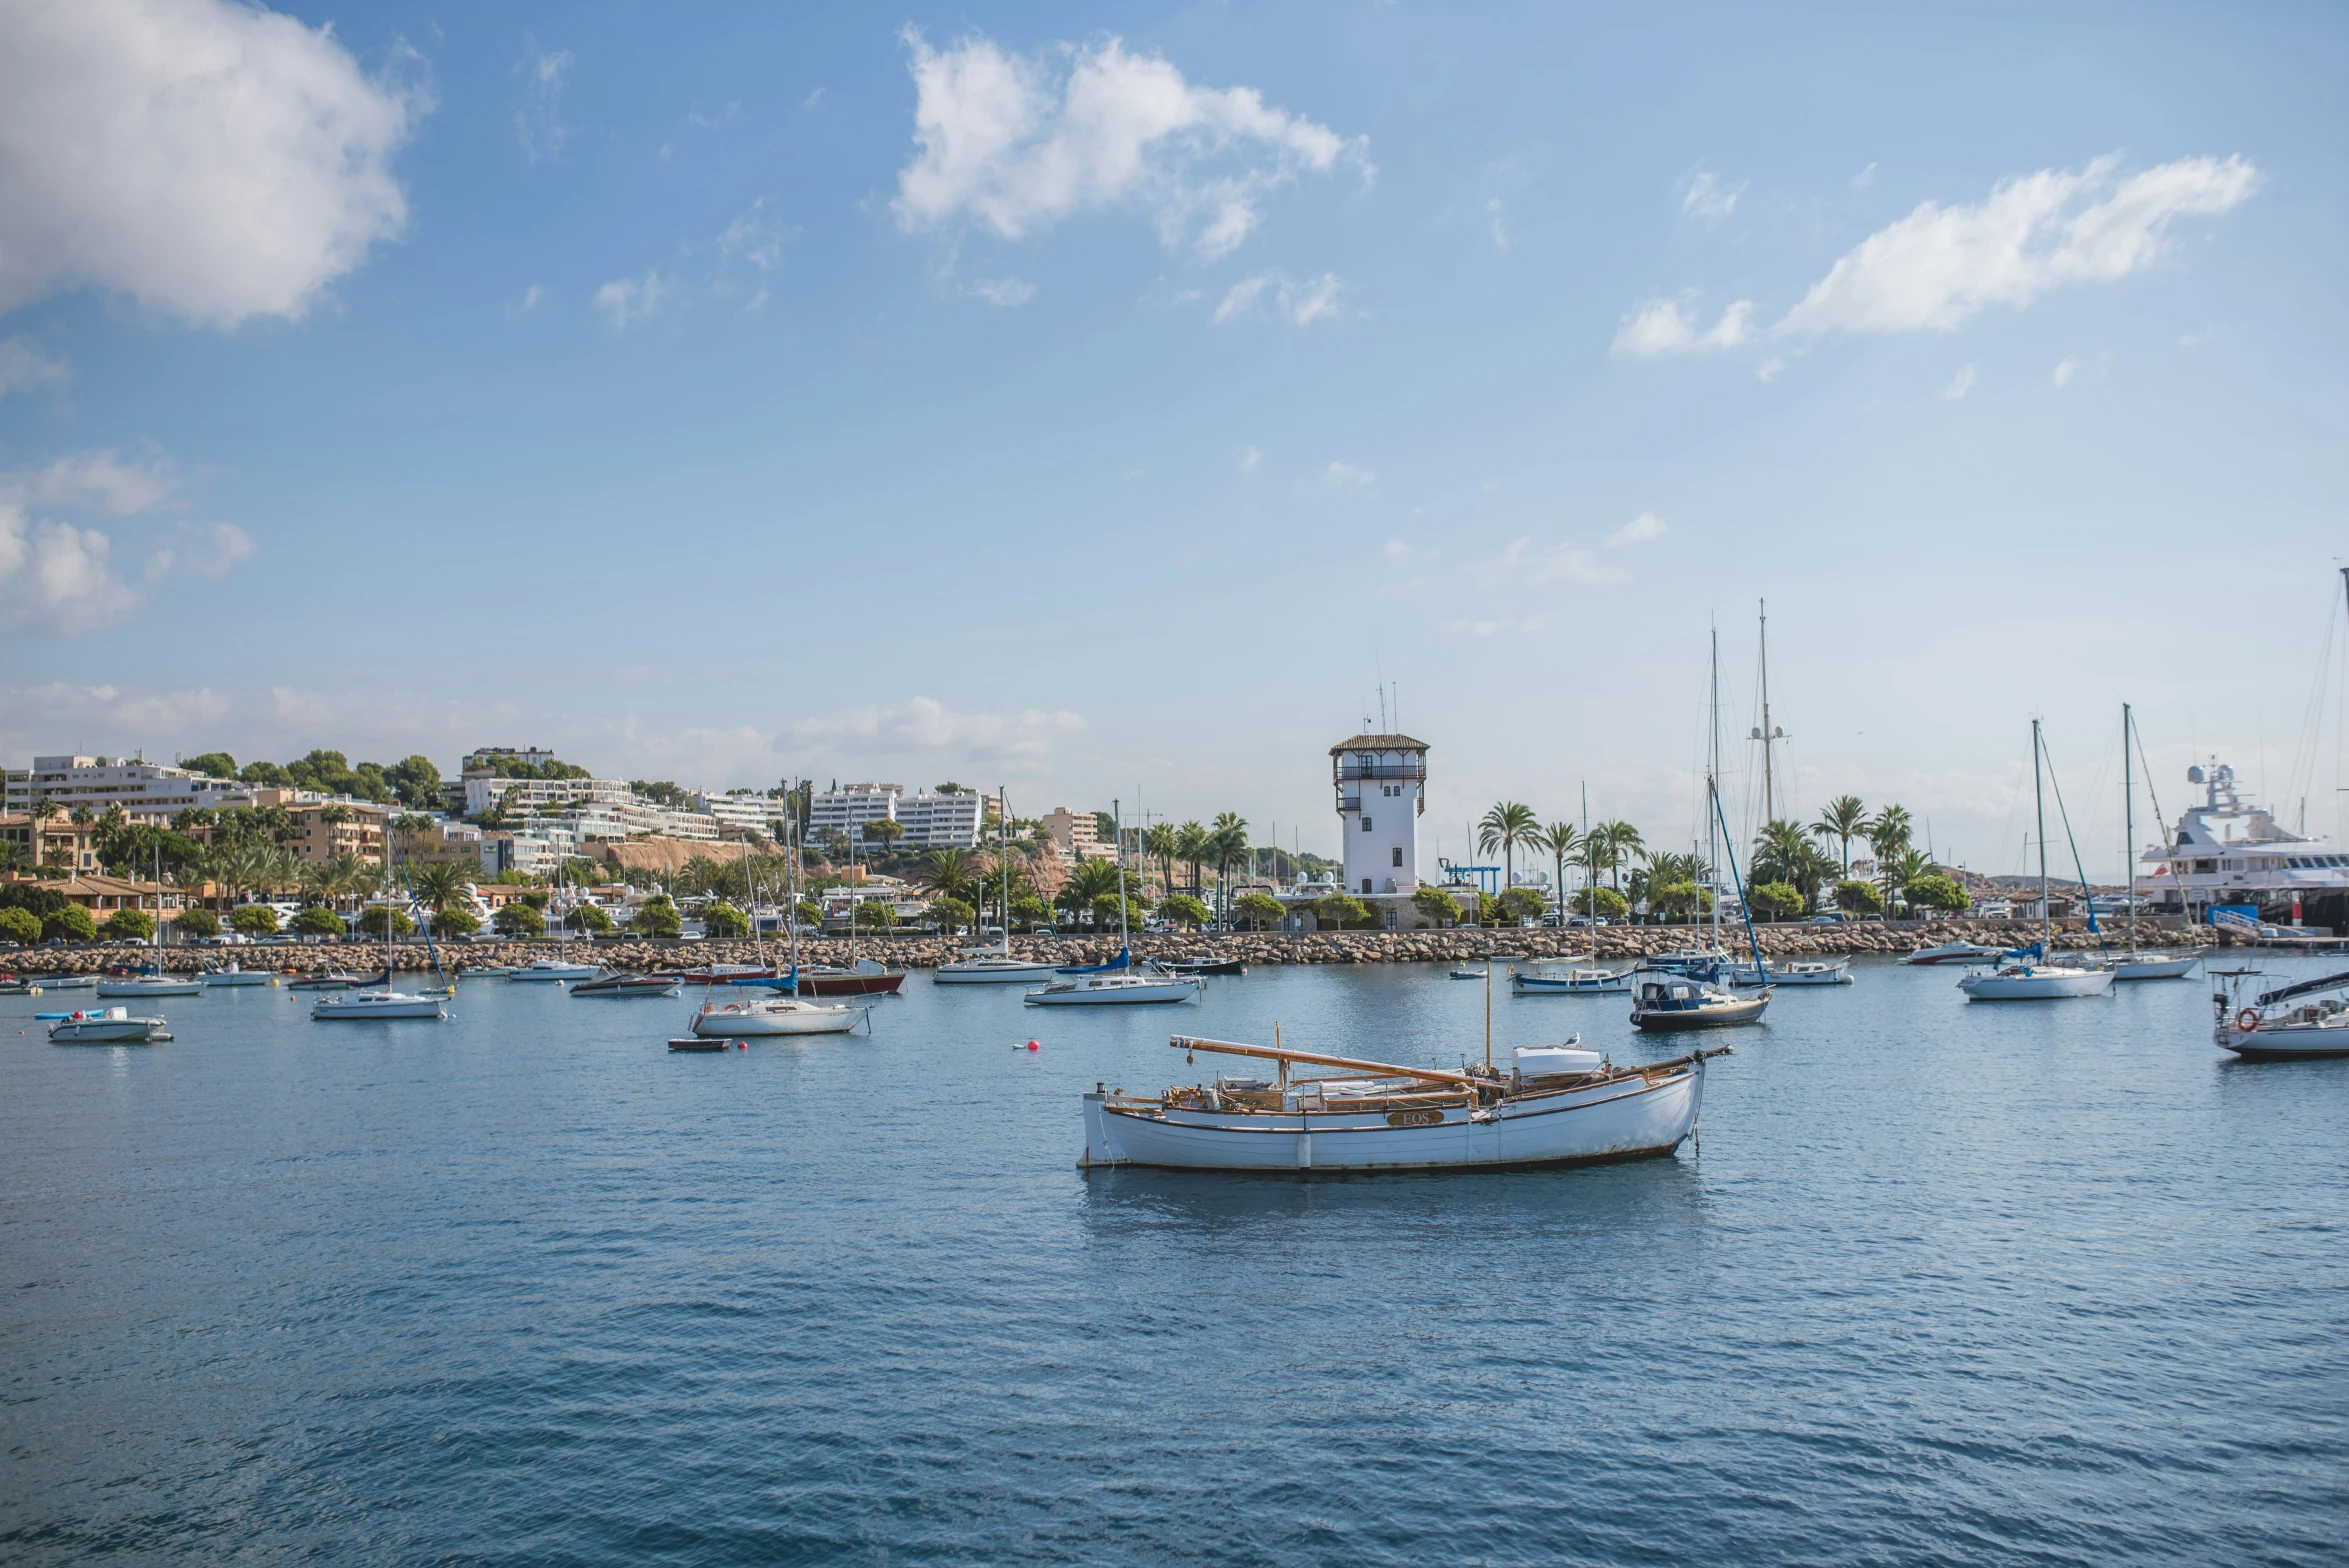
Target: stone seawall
[{"x": 1614, "y": 943}]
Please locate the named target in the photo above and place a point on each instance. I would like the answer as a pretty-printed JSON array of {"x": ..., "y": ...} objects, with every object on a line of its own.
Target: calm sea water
[{"x": 2032, "y": 1284}]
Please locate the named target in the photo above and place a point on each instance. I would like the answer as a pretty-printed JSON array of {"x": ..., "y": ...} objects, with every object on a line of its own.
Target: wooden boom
[{"x": 1278, "y": 1054}]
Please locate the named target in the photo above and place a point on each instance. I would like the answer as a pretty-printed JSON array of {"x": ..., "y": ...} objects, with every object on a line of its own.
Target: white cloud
[
  {"x": 1704, "y": 196},
  {"x": 925, "y": 728},
  {"x": 1959, "y": 385},
  {"x": 214, "y": 160},
  {"x": 1007, "y": 292},
  {"x": 217, "y": 547},
  {"x": 2065, "y": 369},
  {"x": 1016, "y": 142},
  {"x": 1299, "y": 303},
  {"x": 2198, "y": 338},
  {"x": 1641, "y": 529},
  {"x": 628, "y": 301},
  {"x": 753, "y": 239},
  {"x": 58, "y": 575},
  {"x": 1500, "y": 228},
  {"x": 1342, "y": 475},
  {"x": 532, "y": 298},
  {"x": 102, "y": 481},
  {"x": 1769, "y": 368},
  {"x": 106, "y": 718},
  {"x": 1938, "y": 266},
  {"x": 813, "y": 101},
  {"x": 1661, "y": 327},
  {"x": 1250, "y": 459},
  {"x": 1506, "y": 623},
  {"x": 23, "y": 367},
  {"x": 1865, "y": 178},
  {"x": 1527, "y": 565},
  {"x": 538, "y": 119}
]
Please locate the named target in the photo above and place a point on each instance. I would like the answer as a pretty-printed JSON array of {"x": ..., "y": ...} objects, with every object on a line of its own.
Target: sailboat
[
  {"x": 995, "y": 964},
  {"x": 1115, "y": 982},
  {"x": 768, "y": 1016},
  {"x": 2139, "y": 965},
  {"x": 381, "y": 1001},
  {"x": 1801, "y": 971},
  {"x": 2025, "y": 975},
  {"x": 153, "y": 982},
  {"x": 560, "y": 966}
]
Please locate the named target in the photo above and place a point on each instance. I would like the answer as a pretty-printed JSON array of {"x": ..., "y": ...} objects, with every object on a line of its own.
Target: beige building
[
  {"x": 1077, "y": 834},
  {"x": 439, "y": 841},
  {"x": 329, "y": 825},
  {"x": 59, "y": 841}
]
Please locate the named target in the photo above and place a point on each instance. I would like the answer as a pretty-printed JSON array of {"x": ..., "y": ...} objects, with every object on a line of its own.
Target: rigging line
[
  {"x": 2311, "y": 741},
  {"x": 2065, "y": 818},
  {"x": 2151, "y": 794}
]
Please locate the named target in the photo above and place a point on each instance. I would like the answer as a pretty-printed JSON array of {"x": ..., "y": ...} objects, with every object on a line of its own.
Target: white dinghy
[
  {"x": 1560, "y": 1106},
  {"x": 107, "y": 1026}
]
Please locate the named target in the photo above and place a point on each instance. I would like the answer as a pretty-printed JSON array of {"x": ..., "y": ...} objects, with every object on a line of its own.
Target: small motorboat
[
  {"x": 486, "y": 972},
  {"x": 1204, "y": 964},
  {"x": 14, "y": 985},
  {"x": 2154, "y": 966},
  {"x": 2295, "y": 1023},
  {"x": 352, "y": 1006},
  {"x": 69, "y": 982},
  {"x": 694, "y": 1042},
  {"x": 150, "y": 985},
  {"x": 1466, "y": 974},
  {"x": 233, "y": 976},
  {"x": 1560, "y": 1105},
  {"x": 1113, "y": 990},
  {"x": 1953, "y": 953},
  {"x": 337, "y": 980},
  {"x": 753, "y": 1017},
  {"x": 555, "y": 969},
  {"x": 629, "y": 985},
  {"x": 1801, "y": 971},
  {"x": 107, "y": 1026},
  {"x": 1679, "y": 1003},
  {"x": 1565, "y": 977}
]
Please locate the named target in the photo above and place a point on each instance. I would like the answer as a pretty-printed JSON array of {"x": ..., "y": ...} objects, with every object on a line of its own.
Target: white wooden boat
[
  {"x": 555, "y": 969},
  {"x": 234, "y": 975},
  {"x": 2294, "y": 1023},
  {"x": 1800, "y": 971},
  {"x": 1571, "y": 1108},
  {"x": 1113, "y": 990},
  {"x": 751, "y": 1017},
  {"x": 107, "y": 1026},
  {"x": 2035, "y": 982},
  {"x": 1566, "y": 978},
  {"x": 150, "y": 985},
  {"x": 354, "y": 1006}
]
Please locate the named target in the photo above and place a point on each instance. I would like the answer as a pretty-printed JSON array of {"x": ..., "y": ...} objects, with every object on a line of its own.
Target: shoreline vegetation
[{"x": 1615, "y": 944}]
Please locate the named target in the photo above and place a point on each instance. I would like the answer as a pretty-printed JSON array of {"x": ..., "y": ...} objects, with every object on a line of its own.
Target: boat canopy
[
  {"x": 1123, "y": 960},
  {"x": 2304, "y": 988}
]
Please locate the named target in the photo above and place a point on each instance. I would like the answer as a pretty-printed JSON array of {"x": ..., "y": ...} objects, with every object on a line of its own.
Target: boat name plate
[{"x": 1415, "y": 1118}]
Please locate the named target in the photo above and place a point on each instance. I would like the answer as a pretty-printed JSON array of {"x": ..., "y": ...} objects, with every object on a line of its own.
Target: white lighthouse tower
[{"x": 1381, "y": 785}]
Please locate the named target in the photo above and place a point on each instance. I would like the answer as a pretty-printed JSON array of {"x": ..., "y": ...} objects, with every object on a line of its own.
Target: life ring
[{"x": 2247, "y": 1020}]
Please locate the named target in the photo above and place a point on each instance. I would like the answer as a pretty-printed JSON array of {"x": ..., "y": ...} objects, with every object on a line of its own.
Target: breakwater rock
[{"x": 1461, "y": 945}]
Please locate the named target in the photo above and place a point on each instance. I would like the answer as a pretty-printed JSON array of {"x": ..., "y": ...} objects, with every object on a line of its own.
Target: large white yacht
[{"x": 2224, "y": 852}]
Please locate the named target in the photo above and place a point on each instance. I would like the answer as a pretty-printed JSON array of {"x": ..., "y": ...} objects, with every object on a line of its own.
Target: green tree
[
  {"x": 1843, "y": 819},
  {"x": 317, "y": 920},
  {"x": 374, "y": 916},
  {"x": 947, "y": 913},
  {"x": 197, "y": 922},
  {"x": 20, "y": 926},
  {"x": 1603, "y": 902},
  {"x": 590, "y": 918},
  {"x": 439, "y": 885},
  {"x": 71, "y": 923},
  {"x": 657, "y": 917},
  {"x": 414, "y": 781},
  {"x": 1436, "y": 905},
  {"x": 1674, "y": 899},
  {"x": 129, "y": 925},
  {"x": 1339, "y": 911},
  {"x": 1775, "y": 900},
  {"x": 1858, "y": 898},
  {"x": 948, "y": 873},
  {"x": 1561, "y": 840},
  {"x": 1938, "y": 893},
  {"x": 1615, "y": 845},
  {"x": 1888, "y": 834},
  {"x": 1258, "y": 909},
  {"x": 875, "y": 915},
  {"x": 254, "y": 919},
  {"x": 212, "y": 764},
  {"x": 884, "y": 832},
  {"x": 456, "y": 920},
  {"x": 1030, "y": 911},
  {"x": 1506, "y": 826},
  {"x": 724, "y": 920},
  {"x": 1162, "y": 843},
  {"x": 1192, "y": 848},
  {"x": 1227, "y": 846},
  {"x": 1783, "y": 852},
  {"x": 519, "y": 919},
  {"x": 1521, "y": 904},
  {"x": 1183, "y": 908}
]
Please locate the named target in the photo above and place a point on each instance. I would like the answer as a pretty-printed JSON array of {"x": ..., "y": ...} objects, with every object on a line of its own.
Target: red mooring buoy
[{"x": 1033, "y": 1046}]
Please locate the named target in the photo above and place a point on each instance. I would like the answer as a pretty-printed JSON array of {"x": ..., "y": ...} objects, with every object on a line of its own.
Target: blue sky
[{"x": 1103, "y": 401}]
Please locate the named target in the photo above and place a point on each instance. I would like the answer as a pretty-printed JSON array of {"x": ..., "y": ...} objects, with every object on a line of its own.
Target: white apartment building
[
  {"x": 849, "y": 808},
  {"x": 748, "y": 813},
  {"x": 940, "y": 821},
  {"x": 483, "y": 791},
  {"x": 930, "y": 821},
  {"x": 148, "y": 790}
]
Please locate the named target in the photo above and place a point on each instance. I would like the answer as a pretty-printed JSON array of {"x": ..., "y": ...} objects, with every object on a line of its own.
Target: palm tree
[
  {"x": 945, "y": 872},
  {"x": 1506, "y": 826},
  {"x": 1191, "y": 848},
  {"x": 1843, "y": 819},
  {"x": 1227, "y": 846},
  {"x": 1091, "y": 883},
  {"x": 1783, "y": 852},
  {"x": 1162, "y": 844},
  {"x": 1618, "y": 842},
  {"x": 1560, "y": 839},
  {"x": 1888, "y": 834},
  {"x": 437, "y": 884}
]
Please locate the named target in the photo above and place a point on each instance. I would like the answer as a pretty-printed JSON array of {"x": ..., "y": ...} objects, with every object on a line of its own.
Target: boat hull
[
  {"x": 1629, "y": 1119},
  {"x": 850, "y": 985},
  {"x": 1600, "y": 984},
  {"x": 630, "y": 986},
  {"x": 358, "y": 1006},
  {"x": 1688, "y": 1020},
  {"x": 151, "y": 988},
  {"x": 232, "y": 978},
  {"x": 1953, "y": 953},
  {"x": 1007, "y": 974},
  {"x": 1099, "y": 993},
  {"x": 751, "y": 1021},
  {"x": 557, "y": 972},
  {"x": 2041, "y": 986},
  {"x": 2155, "y": 968},
  {"x": 108, "y": 1031}
]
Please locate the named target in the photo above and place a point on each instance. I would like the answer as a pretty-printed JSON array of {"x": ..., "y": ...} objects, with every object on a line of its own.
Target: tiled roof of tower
[{"x": 1379, "y": 743}]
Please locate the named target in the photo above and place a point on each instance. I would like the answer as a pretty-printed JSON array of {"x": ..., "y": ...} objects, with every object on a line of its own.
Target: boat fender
[{"x": 2247, "y": 1020}]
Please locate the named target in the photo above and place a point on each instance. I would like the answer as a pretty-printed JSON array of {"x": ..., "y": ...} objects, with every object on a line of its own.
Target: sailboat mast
[
  {"x": 1124, "y": 937},
  {"x": 2039, "y": 810},
  {"x": 1769, "y": 775},
  {"x": 2129, "y": 824},
  {"x": 1713, "y": 794}
]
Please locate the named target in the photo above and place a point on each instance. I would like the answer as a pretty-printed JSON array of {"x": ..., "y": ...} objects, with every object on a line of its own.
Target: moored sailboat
[{"x": 2025, "y": 975}]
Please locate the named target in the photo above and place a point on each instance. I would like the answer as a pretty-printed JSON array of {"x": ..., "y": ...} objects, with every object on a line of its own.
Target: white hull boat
[
  {"x": 1806, "y": 971},
  {"x": 1567, "y": 980},
  {"x": 150, "y": 985},
  {"x": 112, "y": 1026},
  {"x": 2296, "y": 1023},
  {"x": 1401, "y": 1119},
  {"x": 1954, "y": 953},
  {"x": 1114, "y": 990},
  {"x": 757, "y": 1017},
  {"x": 69, "y": 982},
  {"x": 548, "y": 969},
  {"x": 2154, "y": 966},
  {"x": 349, "y": 1006},
  {"x": 2035, "y": 983},
  {"x": 995, "y": 969},
  {"x": 234, "y": 976}
]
